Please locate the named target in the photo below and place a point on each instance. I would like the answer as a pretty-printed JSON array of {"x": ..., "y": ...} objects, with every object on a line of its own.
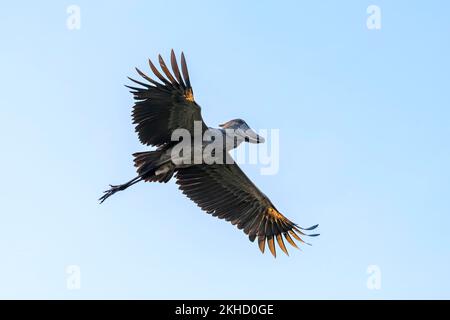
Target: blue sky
[{"x": 364, "y": 125}]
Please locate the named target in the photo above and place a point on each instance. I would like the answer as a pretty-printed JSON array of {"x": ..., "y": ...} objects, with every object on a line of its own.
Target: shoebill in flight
[{"x": 220, "y": 188}]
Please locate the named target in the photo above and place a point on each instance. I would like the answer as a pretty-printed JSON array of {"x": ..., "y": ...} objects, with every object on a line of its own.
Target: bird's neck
[{"x": 231, "y": 140}]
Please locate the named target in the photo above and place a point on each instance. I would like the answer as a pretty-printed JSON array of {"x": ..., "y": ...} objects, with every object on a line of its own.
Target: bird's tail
[{"x": 152, "y": 166}]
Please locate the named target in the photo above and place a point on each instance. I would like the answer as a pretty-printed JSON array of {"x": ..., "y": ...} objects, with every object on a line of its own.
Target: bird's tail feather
[{"x": 151, "y": 166}]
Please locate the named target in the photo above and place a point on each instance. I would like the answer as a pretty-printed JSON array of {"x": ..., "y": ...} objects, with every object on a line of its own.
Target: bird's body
[{"x": 167, "y": 117}]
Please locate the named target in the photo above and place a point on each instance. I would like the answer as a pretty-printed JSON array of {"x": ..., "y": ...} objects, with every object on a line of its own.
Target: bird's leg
[{"x": 120, "y": 187}]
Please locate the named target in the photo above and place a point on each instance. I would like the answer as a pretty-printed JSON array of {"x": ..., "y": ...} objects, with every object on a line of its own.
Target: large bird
[{"x": 219, "y": 187}]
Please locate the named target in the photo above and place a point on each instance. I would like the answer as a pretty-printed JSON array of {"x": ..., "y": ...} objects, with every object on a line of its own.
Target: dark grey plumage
[{"x": 222, "y": 190}]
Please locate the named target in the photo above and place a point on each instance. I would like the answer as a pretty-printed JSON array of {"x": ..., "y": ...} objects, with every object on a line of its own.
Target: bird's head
[{"x": 241, "y": 129}]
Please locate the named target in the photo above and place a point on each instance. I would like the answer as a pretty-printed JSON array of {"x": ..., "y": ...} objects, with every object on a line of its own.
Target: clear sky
[{"x": 364, "y": 129}]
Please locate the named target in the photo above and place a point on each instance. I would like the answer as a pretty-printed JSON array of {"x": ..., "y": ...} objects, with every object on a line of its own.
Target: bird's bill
[{"x": 252, "y": 137}]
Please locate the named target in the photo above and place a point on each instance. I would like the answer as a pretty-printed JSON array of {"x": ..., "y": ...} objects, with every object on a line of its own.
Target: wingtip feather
[
  {"x": 281, "y": 244},
  {"x": 271, "y": 244},
  {"x": 262, "y": 243}
]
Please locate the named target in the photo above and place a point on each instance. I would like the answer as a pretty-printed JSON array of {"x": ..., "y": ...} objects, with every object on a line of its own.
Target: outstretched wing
[
  {"x": 224, "y": 191},
  {"x": 162, "y": 107}
]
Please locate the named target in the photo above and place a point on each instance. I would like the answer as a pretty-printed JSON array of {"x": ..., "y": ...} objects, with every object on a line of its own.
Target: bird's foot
[{"x": 111, "y": 191}]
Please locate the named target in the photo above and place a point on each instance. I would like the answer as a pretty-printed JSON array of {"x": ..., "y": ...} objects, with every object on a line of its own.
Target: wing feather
[
  {"x": 176, "y": 71},
  {"x": 167, "y": 71},
  {"x": 223, "y": 190},
  {"x": 162, "y": 107},
  {"x": 184, "y": 69}
]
